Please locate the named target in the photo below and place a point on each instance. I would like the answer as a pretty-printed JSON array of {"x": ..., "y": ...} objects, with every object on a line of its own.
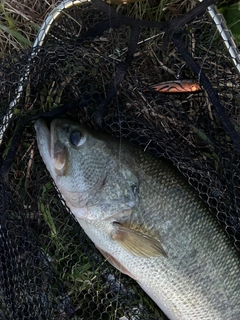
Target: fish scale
[{"x": 146, "y": 220}]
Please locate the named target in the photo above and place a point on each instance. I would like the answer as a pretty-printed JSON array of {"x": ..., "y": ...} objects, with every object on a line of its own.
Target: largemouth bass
[{"x": 146, "y": 220}]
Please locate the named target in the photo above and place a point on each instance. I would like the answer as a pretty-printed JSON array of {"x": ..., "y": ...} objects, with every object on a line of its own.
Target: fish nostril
[
  {"x": 134, "y": 188},
  {"x": 48, "y": 122}
]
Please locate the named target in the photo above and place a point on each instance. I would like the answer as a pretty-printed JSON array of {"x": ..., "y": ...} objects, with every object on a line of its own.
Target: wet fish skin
[{"x": 146, "y": 220}]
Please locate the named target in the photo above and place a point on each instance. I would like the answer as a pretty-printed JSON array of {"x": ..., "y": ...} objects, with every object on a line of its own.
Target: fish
[{"x": 146, "y": 220}]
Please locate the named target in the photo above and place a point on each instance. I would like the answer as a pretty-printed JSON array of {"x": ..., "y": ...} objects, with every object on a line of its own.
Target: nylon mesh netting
[{"x": 98, "y": 64}]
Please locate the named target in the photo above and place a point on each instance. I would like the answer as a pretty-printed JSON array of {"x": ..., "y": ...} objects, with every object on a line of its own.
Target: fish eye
[{"x": 76, "y": 138}]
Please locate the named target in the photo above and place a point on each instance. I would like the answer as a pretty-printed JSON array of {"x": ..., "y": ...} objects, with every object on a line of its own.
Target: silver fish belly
[{"x": 146, "y": 220}]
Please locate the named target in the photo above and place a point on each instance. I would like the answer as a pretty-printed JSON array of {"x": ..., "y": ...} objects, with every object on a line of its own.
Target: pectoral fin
[{"x": 137, "y": 243}]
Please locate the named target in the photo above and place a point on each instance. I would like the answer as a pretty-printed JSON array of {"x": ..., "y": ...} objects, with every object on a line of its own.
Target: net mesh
[{"x": 98, "y": 64}]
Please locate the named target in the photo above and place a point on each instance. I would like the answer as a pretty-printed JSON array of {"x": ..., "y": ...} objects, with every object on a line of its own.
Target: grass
[
  {"x": 231, "y": 13},
  {"x": 20, "y": 21}
]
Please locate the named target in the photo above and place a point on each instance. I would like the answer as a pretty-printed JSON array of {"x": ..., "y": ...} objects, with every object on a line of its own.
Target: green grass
[
  {"x": 20, "y": 22},
  {"x": 231, "y": 14}
]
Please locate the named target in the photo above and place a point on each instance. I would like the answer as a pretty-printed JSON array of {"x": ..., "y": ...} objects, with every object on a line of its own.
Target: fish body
[{"x": 146, "y": 220}]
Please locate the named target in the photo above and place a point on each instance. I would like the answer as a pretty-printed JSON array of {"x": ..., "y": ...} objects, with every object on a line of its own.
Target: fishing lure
[{"x": 177, "y": 86}]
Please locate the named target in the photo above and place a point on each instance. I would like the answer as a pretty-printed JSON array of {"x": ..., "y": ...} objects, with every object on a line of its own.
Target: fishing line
[
  {"x": 118, "y": 108},
  {"x": 119, "y": 160},
  {"x": 205, "y": 57}
]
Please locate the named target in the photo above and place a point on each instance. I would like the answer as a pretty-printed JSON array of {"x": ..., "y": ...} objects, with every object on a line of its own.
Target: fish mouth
[
  {"x": 58, "y": 150},
  {"x": 51, "y": 149}
]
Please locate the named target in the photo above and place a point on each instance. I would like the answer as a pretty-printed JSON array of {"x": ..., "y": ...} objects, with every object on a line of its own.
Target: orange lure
[{"x": 177, "y": 86}]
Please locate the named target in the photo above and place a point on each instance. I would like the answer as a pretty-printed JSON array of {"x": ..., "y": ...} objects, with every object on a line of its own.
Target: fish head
[{"x": 86, "y": 168}]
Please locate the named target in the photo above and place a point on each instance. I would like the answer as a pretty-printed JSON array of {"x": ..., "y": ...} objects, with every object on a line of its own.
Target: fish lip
[
  {"x": 53, "y": 137},
  {"x": 44, "y": 144},
  {"x": 43, "y": 133}
]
